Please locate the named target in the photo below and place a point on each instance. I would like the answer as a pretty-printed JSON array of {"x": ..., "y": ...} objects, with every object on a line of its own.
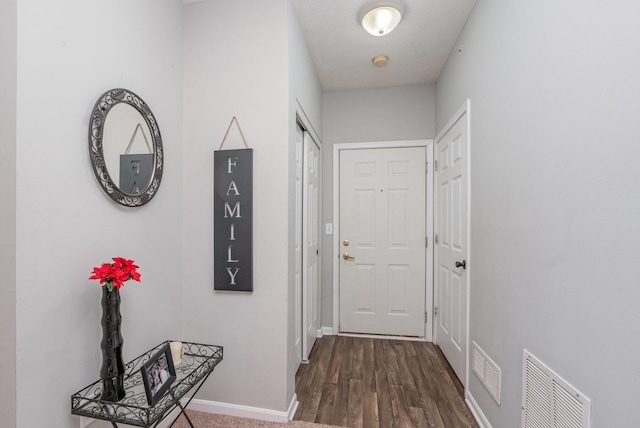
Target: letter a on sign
[{"x": 233, "y": 218}]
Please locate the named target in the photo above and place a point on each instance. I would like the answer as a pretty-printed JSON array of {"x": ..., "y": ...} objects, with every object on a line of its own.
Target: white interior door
[
  {"x": 382, "y": 241},
  {"x": 311, "y": 251},
  {"x": 452, "y": 290},
  {"x": 298, "y": 242}
]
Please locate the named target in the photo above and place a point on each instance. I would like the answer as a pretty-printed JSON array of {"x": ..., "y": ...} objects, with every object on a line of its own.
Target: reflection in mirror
[
  {"x": 127, "y": 153},
  {"x": 125, "y": 147}
]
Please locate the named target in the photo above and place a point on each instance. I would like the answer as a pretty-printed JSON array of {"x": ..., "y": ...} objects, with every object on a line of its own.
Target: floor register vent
[
  {"x": 548, "y": 401},
  {"x": 487, "y": 371}
]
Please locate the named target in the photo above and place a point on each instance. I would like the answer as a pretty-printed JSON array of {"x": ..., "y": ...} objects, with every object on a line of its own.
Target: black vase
[{"x": 112, "y": 371}]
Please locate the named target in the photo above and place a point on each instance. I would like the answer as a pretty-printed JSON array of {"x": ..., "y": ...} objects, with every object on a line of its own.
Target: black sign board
[{"x": 232, "y": 213}]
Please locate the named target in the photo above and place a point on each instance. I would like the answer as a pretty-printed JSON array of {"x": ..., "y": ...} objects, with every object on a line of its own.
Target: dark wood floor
[{"x": 379, "y": 383}]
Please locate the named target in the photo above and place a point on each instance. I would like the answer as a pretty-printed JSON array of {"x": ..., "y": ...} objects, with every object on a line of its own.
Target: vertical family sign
[{"x": 233, "y": 211}]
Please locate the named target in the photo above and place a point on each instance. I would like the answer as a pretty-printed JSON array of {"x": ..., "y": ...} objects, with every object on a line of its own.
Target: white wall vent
[
  {"x": 487, "y": 371},
  {"x": 548, "y": 401}
]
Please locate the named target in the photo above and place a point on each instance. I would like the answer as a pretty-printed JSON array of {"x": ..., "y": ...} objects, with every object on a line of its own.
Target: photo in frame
[{"x": 158, "y": 374}]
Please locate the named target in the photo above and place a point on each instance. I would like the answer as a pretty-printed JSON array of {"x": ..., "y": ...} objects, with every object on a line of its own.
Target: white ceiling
[{"x": 417, "y": 49}]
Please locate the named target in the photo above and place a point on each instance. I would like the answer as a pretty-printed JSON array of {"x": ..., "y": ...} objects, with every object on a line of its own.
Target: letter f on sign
[{"x": 231, "y": 161}]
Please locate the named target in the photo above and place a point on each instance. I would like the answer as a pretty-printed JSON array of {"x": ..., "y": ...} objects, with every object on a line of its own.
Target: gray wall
[
  {"x": 68, "y": 54},
  {"x": 8, "y": 46},
  {"x": 61, "y": 224},
  {"x": 555, "y": 239},
  {"x": 366, "y": 115},
  {"x": 229, "y": 72}
]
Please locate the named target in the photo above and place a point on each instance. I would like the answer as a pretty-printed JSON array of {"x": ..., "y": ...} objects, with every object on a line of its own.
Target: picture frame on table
[{"x": 158, "y": 374}]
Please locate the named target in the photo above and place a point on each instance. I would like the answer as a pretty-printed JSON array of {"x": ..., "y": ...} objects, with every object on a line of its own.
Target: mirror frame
[{"x": 99, "y": 114}]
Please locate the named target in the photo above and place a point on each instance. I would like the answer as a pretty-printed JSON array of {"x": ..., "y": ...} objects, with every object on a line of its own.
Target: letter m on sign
[
  {"x": 233, "y": 219},
  {"x": 232, "y": 212}
]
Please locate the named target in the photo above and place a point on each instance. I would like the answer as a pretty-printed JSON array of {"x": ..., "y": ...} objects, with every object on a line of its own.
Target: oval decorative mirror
[{"x": 125, "y": 147}]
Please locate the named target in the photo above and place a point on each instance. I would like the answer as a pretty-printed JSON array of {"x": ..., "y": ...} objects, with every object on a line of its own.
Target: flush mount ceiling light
[{"x": 381, "y": 19}]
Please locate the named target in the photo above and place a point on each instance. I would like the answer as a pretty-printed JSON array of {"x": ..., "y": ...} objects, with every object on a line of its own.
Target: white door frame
[
  {"x": 335, "y": 252},
  {"x": 465, "y": 108}
]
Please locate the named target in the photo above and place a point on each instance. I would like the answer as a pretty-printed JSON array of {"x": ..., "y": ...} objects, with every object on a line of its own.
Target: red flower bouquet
[{"x": 116, "y": 273}]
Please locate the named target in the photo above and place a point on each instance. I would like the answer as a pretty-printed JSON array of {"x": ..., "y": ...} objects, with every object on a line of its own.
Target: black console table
[{"x": 196, "y": 366}]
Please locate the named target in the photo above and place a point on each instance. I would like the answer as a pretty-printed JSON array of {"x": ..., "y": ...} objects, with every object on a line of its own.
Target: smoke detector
[{"x": 380, "y": 60}]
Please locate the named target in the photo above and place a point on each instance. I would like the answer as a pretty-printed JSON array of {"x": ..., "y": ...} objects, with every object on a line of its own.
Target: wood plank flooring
[{"x": 379, "y": 383}]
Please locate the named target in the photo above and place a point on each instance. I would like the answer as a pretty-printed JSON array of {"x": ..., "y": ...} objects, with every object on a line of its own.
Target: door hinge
[
  {"x": 435, "y": 165},
  {"x": 435, "y": 311},
  {"x": 426, "y": 167},
  {"x": 435, "y": 239},
  {"x": 426, "y": 242},
  {"x": 426, "y": 317}
]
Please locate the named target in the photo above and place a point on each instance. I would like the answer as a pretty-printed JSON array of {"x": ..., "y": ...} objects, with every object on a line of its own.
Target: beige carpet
[{"x": 207, "y": 420}]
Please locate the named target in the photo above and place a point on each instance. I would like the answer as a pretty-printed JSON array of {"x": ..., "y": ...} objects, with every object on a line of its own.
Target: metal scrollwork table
[{"x": 196, "y": 366}]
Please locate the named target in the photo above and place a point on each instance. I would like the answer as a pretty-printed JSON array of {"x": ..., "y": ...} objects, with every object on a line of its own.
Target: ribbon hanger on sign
[
  {"x": 224, "y": 139},
  {"x": 133, "y": 137}
]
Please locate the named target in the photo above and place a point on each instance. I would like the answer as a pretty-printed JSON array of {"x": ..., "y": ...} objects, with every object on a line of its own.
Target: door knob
[
  {"x": 346, "y": 256},
  {"x": 462, "y": 264}
]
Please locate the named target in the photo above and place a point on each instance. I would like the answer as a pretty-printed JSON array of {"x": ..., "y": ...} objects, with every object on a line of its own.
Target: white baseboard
[
  {"x": 293, "y": 407},
  {"x": 476, "y": 411},
  {"x": 224, "y": 409},
  {"x": 327, "y": 331},
  {"x": 245, "y": 411}
]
